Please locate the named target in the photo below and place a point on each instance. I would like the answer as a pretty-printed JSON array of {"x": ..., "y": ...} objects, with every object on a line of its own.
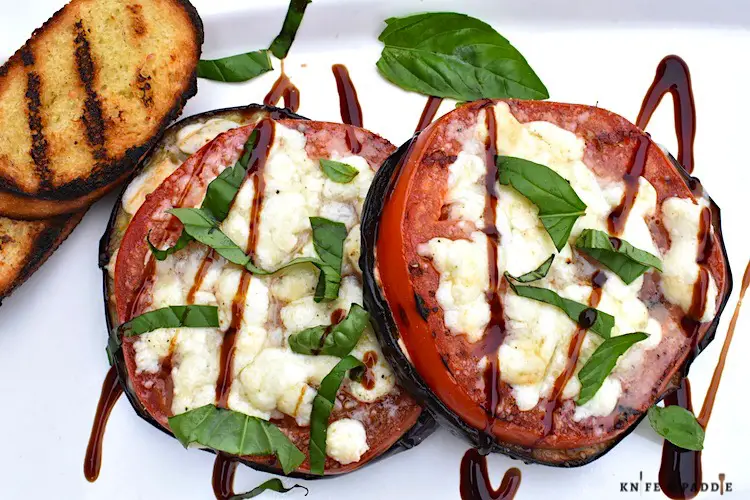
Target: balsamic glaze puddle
[{"x": 680, "y": 469}]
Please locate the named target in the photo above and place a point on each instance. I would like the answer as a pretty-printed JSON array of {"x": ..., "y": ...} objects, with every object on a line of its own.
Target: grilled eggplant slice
[
  {"x": 392, "y": 420},
  {"x": 428, "y": 275}
]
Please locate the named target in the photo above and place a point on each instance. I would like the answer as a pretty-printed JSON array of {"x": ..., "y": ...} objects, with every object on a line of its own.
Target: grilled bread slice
[
  {"x": 87, "y": 96},
  {"x": 25, "y": 245}
]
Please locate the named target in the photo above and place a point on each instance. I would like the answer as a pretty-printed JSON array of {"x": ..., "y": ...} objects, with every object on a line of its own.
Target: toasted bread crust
[
  {"x": 88, "y": 95},
  {"x": 26, "y": 208},
  {"x": 24, "y": 246}
]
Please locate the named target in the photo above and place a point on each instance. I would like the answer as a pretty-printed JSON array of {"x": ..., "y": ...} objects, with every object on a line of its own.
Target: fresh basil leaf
[
  {"x": 309, "y": 341},
  {"x": 559, "y": 205},
  {"x": 274, "y": 484},
  {"x": 626, "y": 261},
  {"x": 603, "y": 324},
  {"x": 329, "y": 283},
  {"x": 329, "y": 280},
  {"x": 238, "y": 68},
  {"x": 678, "y": 426},
  {"x": 235, "y": 433},
  {"x": 283, "y": 41},
  {"x": 328, "y": 239},
  {"x": 181, "y": 243},
  {"x": 601, "y": 363},
  {"x": 200, "y": 224},
  {"x": 321, "y": 411},
  {"x": 445, "y": 54},
  {"x": 537, "y": 274},
  {"x": 337, "y": 171},
  {"x": 333, "y": 340},
  {"x": 223, "y": 189},
  {"x": 190, "y": 316}
]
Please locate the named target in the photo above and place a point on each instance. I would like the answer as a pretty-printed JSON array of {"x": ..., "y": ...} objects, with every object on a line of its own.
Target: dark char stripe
[
  {"x": 39, "y": 149},
  {"x": 27, "y": 57},
  {"x": 92, "y": 111}
]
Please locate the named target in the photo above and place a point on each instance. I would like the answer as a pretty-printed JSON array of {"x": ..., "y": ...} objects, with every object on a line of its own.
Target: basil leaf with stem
[
  {"x": 333, "y": 340},
  {"x": 235, "y": 433},
  {"x": 678, "y": 426},
  {"x": 200, "y": 224},
  {"x": 338, "y": 171},
  {"x": 274, "y": 484},
  {"x": 283, "y": 41},
  {"x": 603, "y": 324},
  {"x": 189, "y": 316},
  {"x": 602, "y": 362},
  {"x": 625, "y": 260},
  {"x": 219, "y": 196},
  {"x": 328, "y": 240},
  {"x": 237, "y": 68},
  {"x": 321, "y": 411},
  {"x": 445, "y": 54},
  {"x": 559, "y": 205},
  {"x": 537, "y": 274}
]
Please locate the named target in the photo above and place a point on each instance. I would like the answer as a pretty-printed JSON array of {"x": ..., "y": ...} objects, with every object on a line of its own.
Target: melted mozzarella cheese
[
  {"x": 464, "y": 280},
  {"x": 268, "y": 378},
  {"x": 680, "y": 270},
  {"x": 279, "y": 379},
  {"x": 195, "y": 368},
  {"x": 346, "y": 441},
  {"x": 466, "y": 191},
  {"x": 194, "y": 136}
]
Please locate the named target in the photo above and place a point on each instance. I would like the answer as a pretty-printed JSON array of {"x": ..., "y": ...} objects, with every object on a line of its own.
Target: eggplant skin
[
  {"x": 425, "y": 425},
  {"x": 388, "y": 336}
]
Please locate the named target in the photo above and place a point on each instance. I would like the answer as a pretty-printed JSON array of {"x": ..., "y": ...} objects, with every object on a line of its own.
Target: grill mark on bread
[
  {"x": 39, "y": 146},
  {"x": 27, "y": 57},
  {"x": 137, "y": 22},
  {"x": 92, "y": 111}
]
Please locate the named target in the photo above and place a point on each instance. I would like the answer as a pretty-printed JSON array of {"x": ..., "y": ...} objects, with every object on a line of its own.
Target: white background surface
[{"x": 52, "y": 331}]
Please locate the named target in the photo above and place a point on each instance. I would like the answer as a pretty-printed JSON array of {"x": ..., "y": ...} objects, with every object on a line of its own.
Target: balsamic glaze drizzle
[
  {"x": 494, "y": 333},
  {"x": 673, "y": 76},
  {"x": 222, "y": 479},
  {"x": 475, "y": 480},
  {"x": 111, "y": 392},
  {"x": 283, "y": 87},
  {"x": 619, "y": 216},
  {"x": 351, "y": 111},
  {"x": 429, "y": 112}
]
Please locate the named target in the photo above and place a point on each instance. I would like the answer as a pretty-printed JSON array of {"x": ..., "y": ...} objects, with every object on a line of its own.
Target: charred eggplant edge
[
  {"x": 387, "y": 332},
  {"x": 424, "y": 426}
]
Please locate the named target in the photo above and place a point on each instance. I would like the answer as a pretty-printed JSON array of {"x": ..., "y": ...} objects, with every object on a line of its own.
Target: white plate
[{"x": 52, "y": 332}]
